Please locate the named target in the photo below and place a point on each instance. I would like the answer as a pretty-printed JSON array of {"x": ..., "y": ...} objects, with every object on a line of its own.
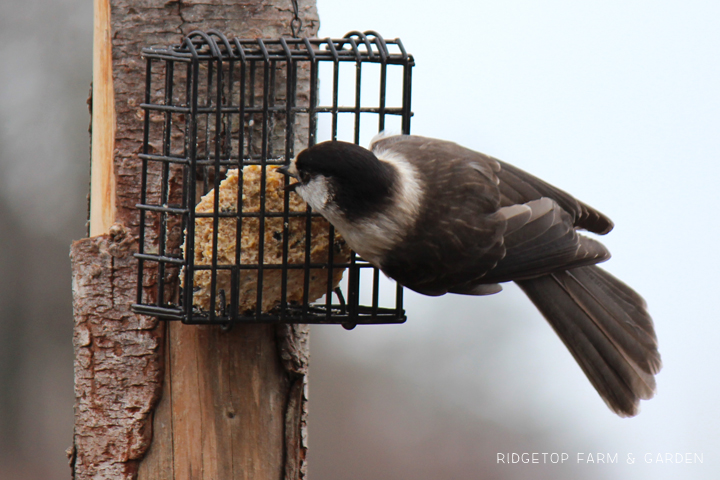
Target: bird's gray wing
[
  {"x": 467, "y": 232},
  {"x": 517, "y": 186},
  {"x": 540, "y": 238}
]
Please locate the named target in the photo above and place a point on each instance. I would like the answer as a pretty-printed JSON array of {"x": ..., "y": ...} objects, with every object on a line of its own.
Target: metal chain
[{"x": 295, "y": 23}]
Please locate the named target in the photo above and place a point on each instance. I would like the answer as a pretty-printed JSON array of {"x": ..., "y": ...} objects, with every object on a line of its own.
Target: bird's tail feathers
[{"x": 606, "y": 327}]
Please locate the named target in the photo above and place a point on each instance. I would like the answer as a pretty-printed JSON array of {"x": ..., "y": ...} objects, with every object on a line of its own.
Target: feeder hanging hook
[{"x": 295, "y": 23}]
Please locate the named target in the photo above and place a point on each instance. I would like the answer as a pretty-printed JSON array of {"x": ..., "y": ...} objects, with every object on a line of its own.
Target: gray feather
[
  {"x": 605, "y": 332},
  {"x": 546, "y": 242},
  {"x": 518, "y": 186}
]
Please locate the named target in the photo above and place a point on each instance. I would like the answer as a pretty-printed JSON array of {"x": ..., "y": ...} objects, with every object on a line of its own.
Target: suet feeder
[{"x": 221, "y": 241}]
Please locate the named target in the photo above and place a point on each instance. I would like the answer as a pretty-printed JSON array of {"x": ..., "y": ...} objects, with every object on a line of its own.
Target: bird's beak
[{"x": 285, "y": 170}]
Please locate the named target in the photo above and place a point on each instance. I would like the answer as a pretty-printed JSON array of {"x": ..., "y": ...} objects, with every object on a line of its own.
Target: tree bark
[{"x": 170, "y": 401}]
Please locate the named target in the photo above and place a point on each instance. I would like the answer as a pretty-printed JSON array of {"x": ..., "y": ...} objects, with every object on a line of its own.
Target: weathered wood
[
  {"x": 117, "y": 375},
  {"x": 203, "y": 421},
  {"x": 233, "y": 405},
  {"x": 227, "y": 394}
]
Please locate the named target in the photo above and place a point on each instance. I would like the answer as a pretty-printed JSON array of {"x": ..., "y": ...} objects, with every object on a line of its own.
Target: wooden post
[
  {"x": 102, "y": 177},
  {"x": 157, "y": 401}
]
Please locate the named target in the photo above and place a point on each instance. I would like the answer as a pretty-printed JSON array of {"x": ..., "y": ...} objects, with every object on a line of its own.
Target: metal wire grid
[{"x": 208, "y": 83}]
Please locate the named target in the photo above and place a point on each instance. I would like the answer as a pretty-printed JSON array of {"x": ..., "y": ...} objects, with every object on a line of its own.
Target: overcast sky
[{"x": 618, "y": 103}]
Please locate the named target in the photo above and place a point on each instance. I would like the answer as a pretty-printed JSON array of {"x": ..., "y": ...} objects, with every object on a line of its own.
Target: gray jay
[{"x": 440, "y": 218}]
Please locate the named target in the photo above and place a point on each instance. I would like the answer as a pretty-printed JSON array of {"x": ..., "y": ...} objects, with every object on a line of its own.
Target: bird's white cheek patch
[{"x": 315, "y": 193}]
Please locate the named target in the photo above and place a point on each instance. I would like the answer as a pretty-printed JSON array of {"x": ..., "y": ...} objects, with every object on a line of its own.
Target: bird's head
[{"x": 340, "y": 178}]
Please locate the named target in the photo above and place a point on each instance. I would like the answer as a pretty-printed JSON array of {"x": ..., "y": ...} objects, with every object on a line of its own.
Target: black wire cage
[{"x": 221, "y": 238}]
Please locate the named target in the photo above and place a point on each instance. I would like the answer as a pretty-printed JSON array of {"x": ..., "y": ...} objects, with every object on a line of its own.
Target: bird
[{"x": 440, "y": 218}]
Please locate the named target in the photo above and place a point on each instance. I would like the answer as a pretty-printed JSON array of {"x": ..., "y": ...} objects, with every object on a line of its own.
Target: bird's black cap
[{"x": 360, "y": 183}]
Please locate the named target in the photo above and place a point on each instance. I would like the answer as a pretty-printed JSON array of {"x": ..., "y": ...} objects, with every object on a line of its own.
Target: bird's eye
[{"x": 304, "y": 177}]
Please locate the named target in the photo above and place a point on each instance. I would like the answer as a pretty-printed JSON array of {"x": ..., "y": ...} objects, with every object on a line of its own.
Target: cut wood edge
[{"x": 102, "y": 181}]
